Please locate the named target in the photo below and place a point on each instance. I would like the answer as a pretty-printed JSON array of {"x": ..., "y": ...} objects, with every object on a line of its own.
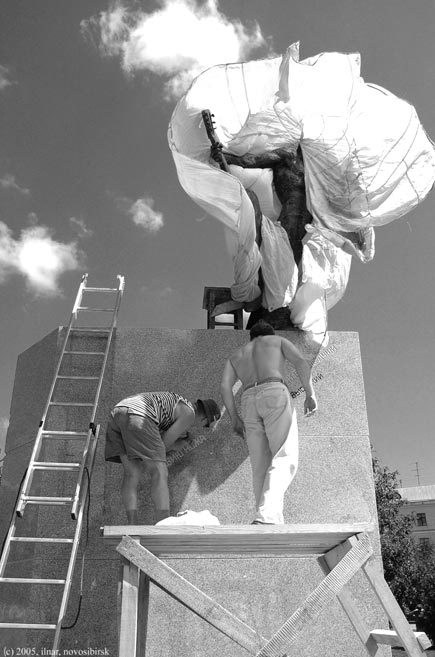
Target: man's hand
[
  {"x": 217, "y": 154},
  {"x": 239, "y": 427},
  {"x": 310, "y": 405},
  {"x": 216, "y": 151},
  {"x": 179, "y": 444}
]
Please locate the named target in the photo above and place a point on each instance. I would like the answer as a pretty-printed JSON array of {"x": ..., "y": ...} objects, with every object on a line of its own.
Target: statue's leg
[
  {"x": 254, "y": 305},
  {"x": 289, "y": 183},
  {"x": 258, "y": 215},
  {"x": 293, "y": 218}
]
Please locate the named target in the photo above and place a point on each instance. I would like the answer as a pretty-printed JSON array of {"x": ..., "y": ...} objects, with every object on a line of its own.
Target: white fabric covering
[{"x": 367, "y": 162}]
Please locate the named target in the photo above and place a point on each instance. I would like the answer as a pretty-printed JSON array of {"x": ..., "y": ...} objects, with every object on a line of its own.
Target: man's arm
[
  {"x": 249, "y": 161},
  {"x": 229, "y": 377},
  {"x": 185, "y": 419},
  {"x": 303, "y": 368}
]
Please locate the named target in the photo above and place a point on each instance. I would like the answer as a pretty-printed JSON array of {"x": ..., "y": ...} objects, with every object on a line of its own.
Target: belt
[{"x": 269, "y": 379}]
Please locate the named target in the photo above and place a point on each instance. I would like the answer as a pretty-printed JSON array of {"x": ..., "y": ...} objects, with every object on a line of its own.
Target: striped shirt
[{"x": 157, "y": 406}]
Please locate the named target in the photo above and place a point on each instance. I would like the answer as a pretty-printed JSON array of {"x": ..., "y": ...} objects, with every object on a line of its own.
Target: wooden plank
[
  {"x": 293, "y": 540},
  {"x": 390, "y": 638},
  {"x": 323, "y": 594},
  {"x": 128, "y": 609},
  {"x": 327, "y": 563},
  {"x": 423, "y": 640},
  {"x": 393, "y": 610},
  {"x": 142, "y": 613},
  {"x": 190, "y": 596},
  {"x": 225, "y": 308}
]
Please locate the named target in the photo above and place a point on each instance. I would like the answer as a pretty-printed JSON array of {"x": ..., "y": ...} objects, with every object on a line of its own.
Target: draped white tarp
[{"x": 367, "y": 162}]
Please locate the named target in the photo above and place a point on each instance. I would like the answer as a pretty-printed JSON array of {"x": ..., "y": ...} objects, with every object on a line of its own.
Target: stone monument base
[{"x": 334, "y": 484}]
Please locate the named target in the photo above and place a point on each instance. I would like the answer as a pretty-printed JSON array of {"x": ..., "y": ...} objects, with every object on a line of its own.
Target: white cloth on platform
[{"x": 201, "y": 518}]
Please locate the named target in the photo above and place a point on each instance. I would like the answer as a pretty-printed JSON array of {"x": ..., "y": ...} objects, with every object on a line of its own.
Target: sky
[{"x": 87, "y": 181}]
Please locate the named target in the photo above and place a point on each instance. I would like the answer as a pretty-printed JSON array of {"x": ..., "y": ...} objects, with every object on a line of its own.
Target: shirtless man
[{"x": 268, "y": 419}]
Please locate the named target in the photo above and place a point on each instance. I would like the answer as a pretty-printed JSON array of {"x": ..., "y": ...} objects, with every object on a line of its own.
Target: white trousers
[{"x": 272, "y": 439}]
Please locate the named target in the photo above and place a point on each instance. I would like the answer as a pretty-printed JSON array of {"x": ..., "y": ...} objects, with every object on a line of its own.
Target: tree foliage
[{"x": 408, "y": 568}]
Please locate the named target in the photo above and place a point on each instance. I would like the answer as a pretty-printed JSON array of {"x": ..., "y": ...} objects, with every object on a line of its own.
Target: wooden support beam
[
  {"x": 356, "y": 556},
  {"x": 142, "y": 612},
  {"x": 244, "y": 540},
  {"x": 390, "y": 638},
  {"x": 133, "y": 596},
  {"x": 327, "y": 563},
  {"x": 128, "y": 609},
  {"x": 190, "y": 596},
  {"x": 393, "y": 610},
  {"x": 341, "y": 561}
]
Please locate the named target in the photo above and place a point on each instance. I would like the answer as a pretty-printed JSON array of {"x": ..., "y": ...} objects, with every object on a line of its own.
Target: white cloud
[
  {"x": 82, "y": 230},
  {"x": 177, "y": 41},
  {"x": 142, "y": 213},
  {"x": 4, "y": 78},
  {"x": 37, "y": 257},
  {"x": 32, "y": 218},
  {"x": 8, "y": 182}
]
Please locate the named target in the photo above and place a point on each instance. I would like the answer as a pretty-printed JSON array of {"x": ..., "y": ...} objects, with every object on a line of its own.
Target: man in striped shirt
[{"x": 141, "y": 430}]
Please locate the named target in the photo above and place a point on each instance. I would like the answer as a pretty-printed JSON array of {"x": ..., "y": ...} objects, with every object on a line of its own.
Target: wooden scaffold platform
[{"x": 342, "y": 550}]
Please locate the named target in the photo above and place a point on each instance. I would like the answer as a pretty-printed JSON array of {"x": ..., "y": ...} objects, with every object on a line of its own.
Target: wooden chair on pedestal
[{"x": 218, "y": 301}]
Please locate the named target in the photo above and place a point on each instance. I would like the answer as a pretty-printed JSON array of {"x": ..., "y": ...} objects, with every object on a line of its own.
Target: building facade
[{"x": 420, "y": 501}]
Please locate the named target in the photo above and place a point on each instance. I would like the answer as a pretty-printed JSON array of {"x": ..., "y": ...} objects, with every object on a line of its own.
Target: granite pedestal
[{"x": 333, "y": 484}]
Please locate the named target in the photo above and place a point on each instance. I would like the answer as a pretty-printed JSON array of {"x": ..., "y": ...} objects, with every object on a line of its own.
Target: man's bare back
[
  {"x": 258, "y": 360},
  {"x": 263, "y": 357}
]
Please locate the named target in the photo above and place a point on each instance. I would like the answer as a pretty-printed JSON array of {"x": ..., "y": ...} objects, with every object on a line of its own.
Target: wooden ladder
[{"x": 342, "y": 550}]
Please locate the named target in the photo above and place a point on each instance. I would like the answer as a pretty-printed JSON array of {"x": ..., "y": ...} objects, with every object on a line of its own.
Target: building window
[
  {"x": 423, "y": 542},
  {"x": 421, "y": 520}
]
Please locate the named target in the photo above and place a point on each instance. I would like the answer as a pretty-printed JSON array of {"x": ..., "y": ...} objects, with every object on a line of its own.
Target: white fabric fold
[{"x": 367, "y": 162}]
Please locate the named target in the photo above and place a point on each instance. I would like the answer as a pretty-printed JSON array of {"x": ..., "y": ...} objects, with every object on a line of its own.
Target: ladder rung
[
  {"x": 40, "y": 539},
  {"x": 224, "y": 324},
  {"x": 83, "y": 329},
  {"x": 65, "y": 434},
  {"x": 95, "y": 310},
  {"x": 71, "y": 404},
  {"x": 86, "y": 353},
  {"x": 27, "y": 626},
  {"x": 100, "y": 289},
  {"x": 30, "y": 580},
  {"x": 34, "y": 499},
  {"x": 47, "y": 465},
  {"x": 76, "y": 378}
]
